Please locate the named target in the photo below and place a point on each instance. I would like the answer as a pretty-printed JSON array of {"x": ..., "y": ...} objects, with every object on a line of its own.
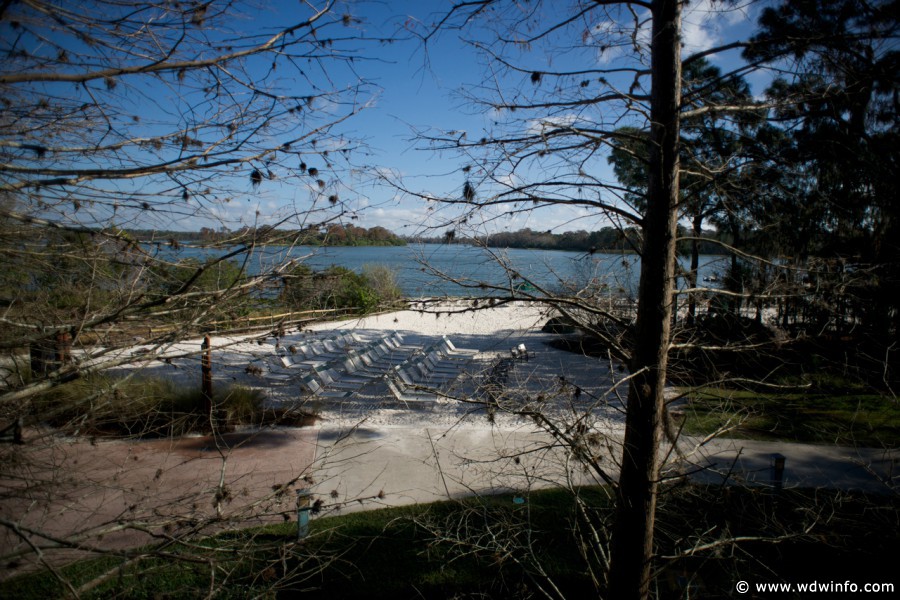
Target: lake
[{"x": 446, "y": 270}]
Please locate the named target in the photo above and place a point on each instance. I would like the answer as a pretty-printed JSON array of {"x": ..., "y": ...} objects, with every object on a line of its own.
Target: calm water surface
[{"x": 456, "y": 270}]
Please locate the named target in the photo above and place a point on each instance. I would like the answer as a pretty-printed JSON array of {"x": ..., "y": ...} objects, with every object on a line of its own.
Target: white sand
[
  {"x": 454, "y": 319},
  {"x": 375, "y": 448},
  {"x": 492, "y": 331}
]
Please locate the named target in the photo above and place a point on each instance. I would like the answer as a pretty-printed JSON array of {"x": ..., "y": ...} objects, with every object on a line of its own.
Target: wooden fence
[{"x": 248, "y": 323}]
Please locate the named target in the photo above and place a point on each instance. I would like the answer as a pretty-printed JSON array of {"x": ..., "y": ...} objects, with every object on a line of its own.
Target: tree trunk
[
  {"x": 632, "y": 540},
  {"x": 697, "y": 225}
]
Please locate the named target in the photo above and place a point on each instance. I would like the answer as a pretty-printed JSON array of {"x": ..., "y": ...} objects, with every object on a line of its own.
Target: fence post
[
  {"x": 63, "y": 347},
  {"x": 206, "y": 375},
  {"x": 777, "y": 467}
]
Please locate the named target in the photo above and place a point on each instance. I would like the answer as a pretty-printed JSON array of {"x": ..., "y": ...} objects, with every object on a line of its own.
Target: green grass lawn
[{"x": 849, "y": 417}]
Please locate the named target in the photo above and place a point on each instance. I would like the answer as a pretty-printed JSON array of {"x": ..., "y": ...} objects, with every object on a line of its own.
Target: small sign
[{"x": 303, "y": 507}]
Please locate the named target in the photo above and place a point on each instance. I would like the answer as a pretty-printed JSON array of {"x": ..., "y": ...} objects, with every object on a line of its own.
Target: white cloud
[
  {"x": 703, "y": 25},
  {"x": 538, "y": 126},
  {"x": 509, "y": 180},
  {"x": 704, "y": 22},
  {"x": 617, "y": 39},
  {"x": 401, "y": 219}
]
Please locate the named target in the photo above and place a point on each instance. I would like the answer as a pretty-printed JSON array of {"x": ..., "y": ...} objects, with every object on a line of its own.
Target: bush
[
  {"x": 339, "y": 287},
  {"x": 383, "y": 281},
  {"x": 217, "y": 275},
  {"x": 142, "y": 407},
  {"x": 354, "y": 291}
]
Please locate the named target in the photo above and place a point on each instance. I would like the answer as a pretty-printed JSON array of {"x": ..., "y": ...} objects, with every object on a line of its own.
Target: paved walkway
[
  {"x": 805, "y": 465},
  {"x": 402, "y": 465},
  {"x": 122, "y": 494}
]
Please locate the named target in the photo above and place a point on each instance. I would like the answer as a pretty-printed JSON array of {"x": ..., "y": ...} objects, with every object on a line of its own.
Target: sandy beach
[
  {"x": 488, "y": 334},
  {"x": 367, "y": 449}
]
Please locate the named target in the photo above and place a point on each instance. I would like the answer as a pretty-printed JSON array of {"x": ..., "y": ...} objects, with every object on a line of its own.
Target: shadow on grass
[{"x": 708, "y": 538}]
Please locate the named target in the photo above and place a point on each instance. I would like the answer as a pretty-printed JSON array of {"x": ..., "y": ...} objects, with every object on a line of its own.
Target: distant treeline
[
  {"x": 607, "y": 239},
  {"x": 332, "y": 235}
]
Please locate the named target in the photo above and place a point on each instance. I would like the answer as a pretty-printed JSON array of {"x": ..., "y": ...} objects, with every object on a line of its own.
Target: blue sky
[
  {"x": 414, "y": 91},
  {"x": 421, "y": 94}
]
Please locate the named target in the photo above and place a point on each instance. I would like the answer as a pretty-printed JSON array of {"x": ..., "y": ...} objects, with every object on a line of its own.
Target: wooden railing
[{"x": 251, "y": 323}]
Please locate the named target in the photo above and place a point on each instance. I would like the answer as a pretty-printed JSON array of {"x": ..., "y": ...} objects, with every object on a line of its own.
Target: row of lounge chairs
[{"x": 388, "y": 364}]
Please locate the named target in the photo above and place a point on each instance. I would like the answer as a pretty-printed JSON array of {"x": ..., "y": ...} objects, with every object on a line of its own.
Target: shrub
[
  {"x": 339, "y": 287},
  {"x": 142, "y": 407},
  {"x": 217, "y": 275},
  {"x": 383, "y": 281}
]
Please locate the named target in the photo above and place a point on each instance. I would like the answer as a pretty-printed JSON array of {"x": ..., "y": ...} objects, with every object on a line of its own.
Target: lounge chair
[
  {"x": 395, "y": 340},
  {"x": 353, "y": 364},
  {"x": 315, "y": 388},
  {"x": 415, "y": 376},
  {"x": 439, "y": 364},
  {"x": 409, "y": 396},
  {"x": 332, "y": 380},
  {"x": 450, "y": 349},
  {"x": 373, "y": 359},
  {"x": 422, "y": 371}
]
